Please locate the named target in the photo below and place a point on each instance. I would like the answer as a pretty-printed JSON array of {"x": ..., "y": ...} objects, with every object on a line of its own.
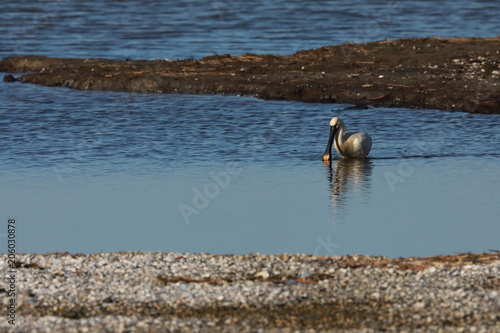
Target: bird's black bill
[{"x": 327, "y": 156}]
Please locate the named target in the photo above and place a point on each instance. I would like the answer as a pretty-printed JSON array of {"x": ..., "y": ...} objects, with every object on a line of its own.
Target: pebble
[{"x": 181, "y": 292}]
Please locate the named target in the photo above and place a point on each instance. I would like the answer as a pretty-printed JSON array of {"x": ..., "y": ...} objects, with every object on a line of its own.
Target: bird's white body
[{"x": 355, "y": 145}]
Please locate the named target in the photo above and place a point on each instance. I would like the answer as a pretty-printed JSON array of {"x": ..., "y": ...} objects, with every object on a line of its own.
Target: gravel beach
[{"x": 178, "y": 292}]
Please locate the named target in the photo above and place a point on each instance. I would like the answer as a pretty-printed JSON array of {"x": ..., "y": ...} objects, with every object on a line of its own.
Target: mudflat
[{"x": 461, "y": 74}]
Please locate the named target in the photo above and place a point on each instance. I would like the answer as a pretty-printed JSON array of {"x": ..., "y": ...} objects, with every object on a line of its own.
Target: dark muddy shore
[{"x": 448, "y": 74}]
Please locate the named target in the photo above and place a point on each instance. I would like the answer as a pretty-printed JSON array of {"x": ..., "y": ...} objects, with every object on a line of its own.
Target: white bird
[{"x": 346, "y": 144}]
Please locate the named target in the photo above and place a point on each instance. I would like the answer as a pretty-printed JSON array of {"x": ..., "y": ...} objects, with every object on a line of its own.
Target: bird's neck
[{"x": 339, "y": 139}]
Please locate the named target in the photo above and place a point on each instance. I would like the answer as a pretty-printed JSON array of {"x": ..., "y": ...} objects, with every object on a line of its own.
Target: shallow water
[
  {"x": 95, "y": 171},
  {"x": 99, "y": 171}
]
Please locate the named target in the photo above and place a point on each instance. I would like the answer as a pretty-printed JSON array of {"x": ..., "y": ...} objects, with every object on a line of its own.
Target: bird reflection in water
[{"x": 347, "y": 177}]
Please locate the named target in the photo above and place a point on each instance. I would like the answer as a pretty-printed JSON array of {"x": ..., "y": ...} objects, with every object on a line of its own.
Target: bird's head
[{"x": 336, "y": 122}]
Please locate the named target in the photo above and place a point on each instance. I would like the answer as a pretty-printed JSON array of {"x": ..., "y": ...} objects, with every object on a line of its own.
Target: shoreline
[
  {"x": 461, "y": 74},
  {"x": 182, "y": 292}
]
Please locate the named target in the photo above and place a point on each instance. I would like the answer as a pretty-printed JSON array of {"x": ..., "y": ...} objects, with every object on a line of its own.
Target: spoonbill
[{"x": 346, "y": 144}]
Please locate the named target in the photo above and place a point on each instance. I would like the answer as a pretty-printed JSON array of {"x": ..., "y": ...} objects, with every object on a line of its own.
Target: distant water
[
  {"x": 90, "y": 171},
  {"x": 193, "y": 28}
]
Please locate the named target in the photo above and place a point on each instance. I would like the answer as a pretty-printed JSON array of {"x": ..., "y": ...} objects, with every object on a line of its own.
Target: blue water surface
[
  {"x": 182, "y": 29},
  {"x": 87, "y": 171}
]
